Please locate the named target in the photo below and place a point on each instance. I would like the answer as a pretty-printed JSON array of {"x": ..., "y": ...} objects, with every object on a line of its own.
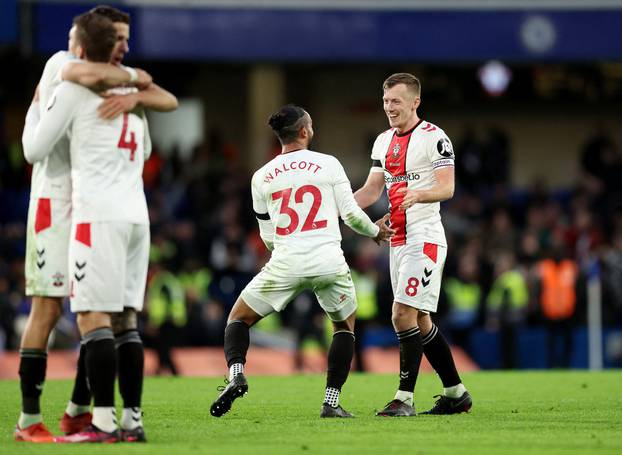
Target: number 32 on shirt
[{"x": 310, "y": 223}]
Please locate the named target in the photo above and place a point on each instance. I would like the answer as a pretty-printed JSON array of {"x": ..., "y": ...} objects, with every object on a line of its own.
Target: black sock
[
  {"x": 101, "y": 365},
  {"x": 237, "y": 340},
  {"x": 81, "y": 394},
  {"x": 131, "y": 356},
  {"x": 411, "y": 352},
  {"x": 339, "y": 359},
  {"x": 32, "y": 366},
  {"x": 439, "y": 355}
]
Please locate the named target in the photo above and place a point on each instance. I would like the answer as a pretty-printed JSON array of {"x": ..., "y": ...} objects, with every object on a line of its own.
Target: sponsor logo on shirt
[
  {"x": 402, "y": 178},
  {"x": 442, "y": 163}
]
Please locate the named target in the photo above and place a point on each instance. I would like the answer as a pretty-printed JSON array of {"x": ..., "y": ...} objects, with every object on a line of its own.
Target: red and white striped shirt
[{"x": 409, "y": 160}]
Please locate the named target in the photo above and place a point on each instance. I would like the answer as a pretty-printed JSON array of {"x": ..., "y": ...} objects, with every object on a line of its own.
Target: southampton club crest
[
  {"x": 396, "y": 150},
  {"x": 58, "y": 279}
]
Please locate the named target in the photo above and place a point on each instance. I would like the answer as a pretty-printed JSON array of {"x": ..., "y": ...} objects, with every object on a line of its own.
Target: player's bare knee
[
  {"x": 424, "y": 320},
  {"x": 242, "y": 312},
  {"x": 124, "y": 321},
  {"x": 45, "y": 312},
  {"x": 346, "y": 325},
  {"x": 91, "y": 320},
  {"x": 403, "y": 317}
]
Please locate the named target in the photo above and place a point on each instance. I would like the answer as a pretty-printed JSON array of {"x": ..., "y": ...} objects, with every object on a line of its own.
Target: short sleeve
[
  {"x": 377, "y": 156},
  {"x": 440, "y": 151}
]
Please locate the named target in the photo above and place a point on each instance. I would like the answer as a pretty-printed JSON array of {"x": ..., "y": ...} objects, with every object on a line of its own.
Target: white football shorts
[
  {"x": 416, "y": 272},
  {"x": 271, "y": 291},
  {"x": 47, "y": 244},
  {"x": 108, "y": 262}
]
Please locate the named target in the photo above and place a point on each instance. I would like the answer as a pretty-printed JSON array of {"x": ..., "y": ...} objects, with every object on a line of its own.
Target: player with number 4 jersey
[
  {"x": 107, "y": 158},
  {"x": 298, "y": 198},
  {"x": 109, "y": 241}
]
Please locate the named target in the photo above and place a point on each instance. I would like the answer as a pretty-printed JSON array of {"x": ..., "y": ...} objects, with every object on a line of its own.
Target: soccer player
[
  {"x": 127, "y": 340},
  {"x": 297, "y": 199},
  {"x": 109, "y": 242},
  {"x": 47, "y": 243},
  {"x": 415, "y": 160}
]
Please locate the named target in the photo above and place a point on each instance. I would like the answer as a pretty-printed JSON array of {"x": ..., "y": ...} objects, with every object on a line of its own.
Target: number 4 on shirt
[
  {"x": 123, "y": 143},
  {"x": 310, "y": 222}
]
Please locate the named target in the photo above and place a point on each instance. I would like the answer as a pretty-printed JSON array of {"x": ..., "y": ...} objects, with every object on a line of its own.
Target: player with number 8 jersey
[{"x": 414, "y": 159}]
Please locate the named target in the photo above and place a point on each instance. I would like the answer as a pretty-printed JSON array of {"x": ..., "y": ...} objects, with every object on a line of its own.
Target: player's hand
[
  {"x": 144, "y": 79},
  {"x": 411, "y": 197},
  {"x": 385, "y": 233},
  {"x": 116, "y": 105}
]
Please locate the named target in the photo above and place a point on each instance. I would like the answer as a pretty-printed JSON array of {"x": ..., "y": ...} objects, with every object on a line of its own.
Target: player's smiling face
[
  {"x": 400, "y": 104},
  {"x": 121, "y": 47}
]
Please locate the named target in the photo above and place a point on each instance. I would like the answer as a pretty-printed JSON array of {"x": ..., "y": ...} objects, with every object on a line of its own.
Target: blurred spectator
[
  {"x": 365, "y": 285},
  {"x": 558, "y": 298},
  {"x": 308, "y": 321},
  {"x": 496, "y": 157},
  {"x": 506, "y": 305},
  {"x": 463, "y": 295},
  {"x": 166, "y": 310},
  {"x": 469, "y": 162}
]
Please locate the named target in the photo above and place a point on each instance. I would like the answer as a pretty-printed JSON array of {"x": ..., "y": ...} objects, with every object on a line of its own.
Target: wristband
[{"x": 133, "y": 73}]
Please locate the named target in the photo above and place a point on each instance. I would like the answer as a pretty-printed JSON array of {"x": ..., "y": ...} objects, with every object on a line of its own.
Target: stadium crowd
[{"x": 517, "y": 257}]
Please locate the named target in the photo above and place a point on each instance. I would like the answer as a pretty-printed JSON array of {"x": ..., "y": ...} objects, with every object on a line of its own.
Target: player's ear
[
  {"x": 80, "y": 52},
  {"x": 417, "y": 102}
]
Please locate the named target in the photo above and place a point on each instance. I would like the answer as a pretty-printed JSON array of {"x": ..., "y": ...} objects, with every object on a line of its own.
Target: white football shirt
[
  {"x": 51, "y": 176},
  {"x": 304, "y": 193},
  {"x": 107, "y": 156},
  {"x": 408, "y": 160}
]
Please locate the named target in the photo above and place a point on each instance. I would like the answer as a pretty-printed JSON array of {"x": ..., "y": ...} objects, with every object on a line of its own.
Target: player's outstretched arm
[
  {"x": 42, "y": 133},
  {"x": 101, "y": 76},
  {"x": 441, "y": 191},
  {"x": 158, "y": 99},
  {"x": 371, "y": 191},
  {"x": 354, "y": 216},
  {"x": 153, "y": 97}
]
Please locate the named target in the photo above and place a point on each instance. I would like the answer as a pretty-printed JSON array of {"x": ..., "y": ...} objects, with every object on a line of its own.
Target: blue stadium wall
[{"x": 353, "y": 35}]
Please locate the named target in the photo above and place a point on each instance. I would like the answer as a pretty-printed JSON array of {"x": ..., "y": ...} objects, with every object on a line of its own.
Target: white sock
[
  {"x": 73, "y": 409},
  {"x": 404, "y": 397},
  {"x": 455, "y": 391},
  {"x": 332, "y": 396},
  {"x": 25, "y": 420},
  {"x": 105, "y": 418},
  {"x": 235, "y": 369},
  {"x": 131, "y": 418}
]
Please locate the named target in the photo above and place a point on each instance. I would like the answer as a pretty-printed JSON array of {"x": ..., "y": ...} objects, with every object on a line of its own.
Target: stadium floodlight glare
[{"x": 494, "y": 77}]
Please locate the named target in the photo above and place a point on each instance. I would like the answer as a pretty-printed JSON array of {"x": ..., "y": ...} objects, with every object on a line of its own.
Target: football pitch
[{"x": 524, "y": 412}]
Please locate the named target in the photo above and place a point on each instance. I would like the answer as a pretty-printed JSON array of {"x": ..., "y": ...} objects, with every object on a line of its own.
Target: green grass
[{"x": 548, "y": 412}]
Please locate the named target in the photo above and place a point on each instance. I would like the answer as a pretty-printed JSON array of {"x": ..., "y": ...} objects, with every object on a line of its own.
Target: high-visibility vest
[
  {"x": 166, "y": 305},
  {"x": 462, "y": 296},
  {"x": 559, "y": 297},
  {"x": 510, "y": 284},
  {"x": 197, "y": 281},
  {"x": 365, "y": 295}
]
